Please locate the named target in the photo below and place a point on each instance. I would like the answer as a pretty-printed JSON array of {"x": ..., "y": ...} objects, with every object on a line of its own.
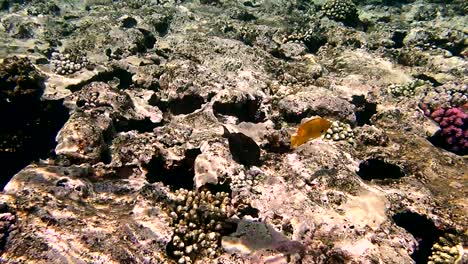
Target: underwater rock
[
  {"x": 82, "y": 138},
  {"x": 316, "y": 101}
]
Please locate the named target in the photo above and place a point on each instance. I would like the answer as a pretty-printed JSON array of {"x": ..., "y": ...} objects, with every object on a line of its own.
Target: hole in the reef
[
  {"x": 314, "y": 44},
  {"x": 428, "y": 78},
  {"x": 246, "y": 111},
  {"x": 178, "y": 176},
  {"x": 125, "y": 79},
  {"x": 150, "y": 40},
  {"x": 142, "y": 126},
  {"x": 80, "y": 103},
  {"x": 106, "y": 156},
  {"x": 439, "y": 141},
  {"x": 397, "y": 38},
  {"x": 28, "y": 133},
  {"x": 186, "y": 105},
  {"x": 129, "y": 22},
  {"x": 162, "y": 27},
  {"x": 364, "y": 110},
  {"x": 377, "y": 169},
  {"x": 280, "y": 55},
  {"x": 423, "y": 229},
  {"x": 216, "y": 188},
  {"x": 248, "y": 210}
]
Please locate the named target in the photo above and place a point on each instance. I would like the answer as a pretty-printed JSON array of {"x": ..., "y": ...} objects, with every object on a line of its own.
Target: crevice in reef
[
  {"x": 375, "y": 169},
  {"x": 245, "y": 111},
  {"x": 181, "y": 106},
  {"x": 142, "y": 126},
  {"x": 185, "y": 105},
  {"x": 124, "y": 77},
  {"x": 364, "y": 110},
  {"x": 397, "y": 38},
  {"x": 179, "y": 175},
  {"x": 28, "y": 133},
  {"x": 423, "y": 229},
  {"x": 149, "y": 40},
  {"x": 438, "y": 140},
  {"x": 428, "y": 78},
  {"x": 216, "y": 188}
]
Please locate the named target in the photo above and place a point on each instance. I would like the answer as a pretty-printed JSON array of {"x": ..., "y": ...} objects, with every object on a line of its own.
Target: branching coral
[
  {"x": 199, "y": 220},
  {"x": 454, "y": 128}
]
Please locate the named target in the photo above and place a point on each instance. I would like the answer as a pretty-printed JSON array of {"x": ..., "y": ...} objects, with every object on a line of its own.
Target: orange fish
[{"x": 311, "y": 129}]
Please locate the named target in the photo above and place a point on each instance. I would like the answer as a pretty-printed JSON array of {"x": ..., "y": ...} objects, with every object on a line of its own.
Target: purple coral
[{"x": 453, "y": 123}]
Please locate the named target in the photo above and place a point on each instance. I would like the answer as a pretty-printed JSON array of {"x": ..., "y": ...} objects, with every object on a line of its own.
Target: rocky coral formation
[
  {"x": 7, "y": 223},
  {"x": 146, "y": 154}
]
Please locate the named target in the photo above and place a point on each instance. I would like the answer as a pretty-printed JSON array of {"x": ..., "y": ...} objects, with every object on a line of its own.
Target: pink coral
[{"x": 454, "y": 128}]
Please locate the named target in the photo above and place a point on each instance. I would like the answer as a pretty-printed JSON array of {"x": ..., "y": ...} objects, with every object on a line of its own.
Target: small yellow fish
[{"x": 311, "y": 129}]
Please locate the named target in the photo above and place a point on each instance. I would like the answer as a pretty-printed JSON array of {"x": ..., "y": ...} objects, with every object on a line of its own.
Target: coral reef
[
  {"x": 451, "y": 94},
  {"x": 121, "y": 157},
  {"x": 405, "y": 90},
  {"x": 7, "y": 223},
  {"x": 28, "y": 122}
]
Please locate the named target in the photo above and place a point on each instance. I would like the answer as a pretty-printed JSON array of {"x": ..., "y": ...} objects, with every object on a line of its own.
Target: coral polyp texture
[
  {"x": 341, "y": 10},
  {"x": 68, "y": 62},
  {"x": 199, "y": 220}
]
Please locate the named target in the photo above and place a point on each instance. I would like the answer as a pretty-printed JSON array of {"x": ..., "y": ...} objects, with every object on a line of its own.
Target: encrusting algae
[{"x": 311, "y": 129}]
